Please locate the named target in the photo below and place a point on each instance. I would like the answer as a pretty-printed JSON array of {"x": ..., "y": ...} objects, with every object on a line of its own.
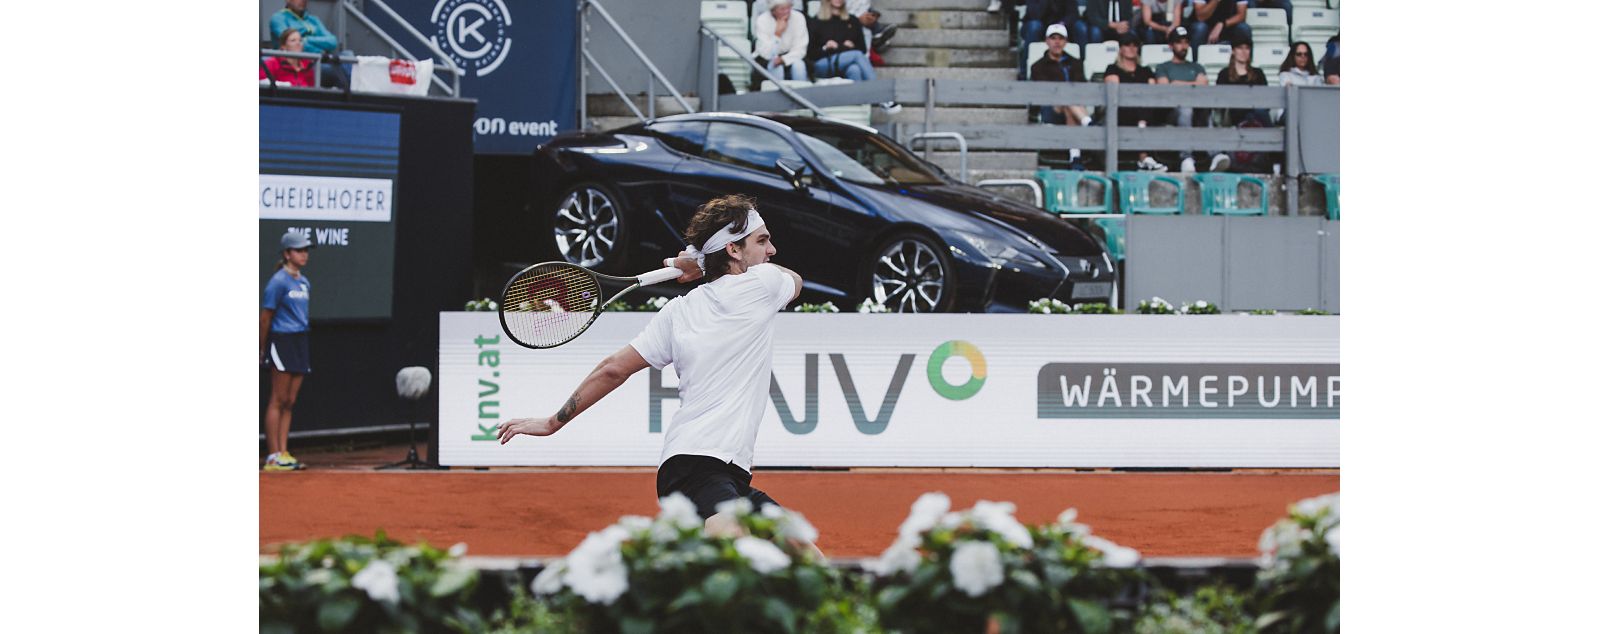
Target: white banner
[
  {"x": 934, "y": 390},
  {"x": 325, "y": 198},
  {"x": 394, "y": 76}
]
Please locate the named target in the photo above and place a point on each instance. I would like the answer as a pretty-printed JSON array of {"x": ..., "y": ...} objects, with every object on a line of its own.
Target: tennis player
[{"x": 719, "y": 337}]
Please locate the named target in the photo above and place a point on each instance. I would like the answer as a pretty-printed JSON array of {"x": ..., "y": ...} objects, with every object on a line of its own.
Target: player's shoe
[
  {"x": 287, "y": 459},
  {"x": 273, "y": 464}
]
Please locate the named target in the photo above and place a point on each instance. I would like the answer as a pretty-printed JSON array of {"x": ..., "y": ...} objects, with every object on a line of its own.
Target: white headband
[{"x": 721, "y": 239}]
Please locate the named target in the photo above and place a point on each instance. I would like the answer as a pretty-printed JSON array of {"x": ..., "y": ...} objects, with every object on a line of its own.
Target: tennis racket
[{"x": 551, "y": 303}]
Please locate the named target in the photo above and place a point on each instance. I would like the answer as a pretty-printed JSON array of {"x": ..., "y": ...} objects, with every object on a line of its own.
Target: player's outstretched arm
[
  {"x": 611, "y": 373},
  {"x": 798, "y": 283}
]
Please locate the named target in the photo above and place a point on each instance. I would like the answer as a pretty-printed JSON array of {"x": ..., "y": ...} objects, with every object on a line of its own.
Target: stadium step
[
  {"x": 921, "y": 5},
  {"x": 609, "y": 105},
  {"x": 987, "y": 74},
  {"x": 914, "y": 115},
  {"x": 943, "y": 19},
  {"x": 603, "y": 124},
  {"x": 1020, "y": 162},
  {"x": 948, "y": 57},
  {"x": 987, "y": 39}
]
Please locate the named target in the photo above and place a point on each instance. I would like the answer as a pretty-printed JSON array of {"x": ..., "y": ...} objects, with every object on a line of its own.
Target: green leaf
[
  {"x": 337, "y": 613},
  {"x": 811, "y": 583},
  {"x": 452, "y": 581},
  {"x": 689, "y": 598},
  {"x": 720, "y": 586},
  {"x": 1331, "y": 622},
  {"x": 1093, "y": 617},
  {"x": 892, "y": 596},
  {"x": 637, "y": 625},
  {"x": 776, "y": 609}
]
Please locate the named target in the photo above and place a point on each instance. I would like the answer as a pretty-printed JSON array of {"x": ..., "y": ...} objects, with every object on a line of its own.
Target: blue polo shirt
[{"x": 289, "y": 298}]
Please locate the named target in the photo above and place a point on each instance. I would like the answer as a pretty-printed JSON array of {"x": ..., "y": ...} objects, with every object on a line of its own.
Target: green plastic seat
[
  {"x": 1061, "y": 196},
  {"x": 1134, "y": 193},
  {"x": 1330, "y": 187},
  {"x": 1219, "y": 195}
]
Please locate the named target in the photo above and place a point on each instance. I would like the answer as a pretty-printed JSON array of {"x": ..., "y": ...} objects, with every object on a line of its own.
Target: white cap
[{"x": 1056, "y": 29}]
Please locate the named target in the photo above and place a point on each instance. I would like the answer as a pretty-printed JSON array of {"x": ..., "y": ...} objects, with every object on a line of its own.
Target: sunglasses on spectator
[{"x": 1301, "y": 53}]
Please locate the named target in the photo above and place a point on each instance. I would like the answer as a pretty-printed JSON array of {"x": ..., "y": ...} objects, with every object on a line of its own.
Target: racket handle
[{"x": 660, "y": 275}]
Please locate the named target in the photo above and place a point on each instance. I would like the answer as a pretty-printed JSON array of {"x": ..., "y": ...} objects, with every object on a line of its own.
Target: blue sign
[{"x": 519, "y": 60}]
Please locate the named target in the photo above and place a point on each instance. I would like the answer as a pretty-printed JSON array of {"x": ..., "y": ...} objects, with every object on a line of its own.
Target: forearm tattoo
[{"x": 569, "y": 410}]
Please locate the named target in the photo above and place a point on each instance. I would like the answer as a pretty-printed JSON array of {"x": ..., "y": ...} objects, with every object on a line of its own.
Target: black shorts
[
  {"x": 707, "y": 482},
  {"x": 288, "y": 352}
]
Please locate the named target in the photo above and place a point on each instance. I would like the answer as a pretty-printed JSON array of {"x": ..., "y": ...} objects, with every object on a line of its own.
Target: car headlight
[{"x": 1000, "y": 251}]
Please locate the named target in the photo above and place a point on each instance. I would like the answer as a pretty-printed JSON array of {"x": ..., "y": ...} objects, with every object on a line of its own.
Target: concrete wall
[
  {"x": 665, "y": 31},
  {"x": 1282, "y": 263}
]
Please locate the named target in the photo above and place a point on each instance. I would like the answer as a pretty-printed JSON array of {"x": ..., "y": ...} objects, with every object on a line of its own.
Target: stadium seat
[
  {"x": 1330, "y": 187},
  {"x": 728, "y": 19},
  {"x": 1061, "y": 192},
  {"x": 1333, "y": 4},
  {"x": 1096, "y": 57},
  {"x": 1214, "y": 57},
  {"x": 1219, "y": 195},
  {"x": 1061, "y": 195},
  {"x": 1152, "y": 54},
  {"x": 1269, "y": 58},
  {"x": 1133, "y": 193},
  {"x": 1035, "y": 53},
  {"x": 1268, "y": 27},
  {"x": 1314, "y": 25}
]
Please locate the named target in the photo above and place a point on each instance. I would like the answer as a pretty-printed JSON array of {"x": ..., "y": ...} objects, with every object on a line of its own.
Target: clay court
[{"x": 545, "y": 512}]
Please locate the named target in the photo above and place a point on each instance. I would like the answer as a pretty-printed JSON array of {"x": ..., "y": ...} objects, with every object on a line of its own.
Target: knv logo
[
  {"x": 860, "y": 412},
  {"x": 473, "y": 33}
]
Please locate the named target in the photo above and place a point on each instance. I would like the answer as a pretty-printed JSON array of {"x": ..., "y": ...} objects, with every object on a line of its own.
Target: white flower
[
  {"x": 1333, "y": 540},
  {"x": 549, "y": 580},
  {"x": 763, "y": 555},
  {"x": 1310, "y": 507},
  {"x": 379, "y": 580},
  {"x": 1116, "y": 556},
  {"x": 925, "y": 513},
  {"x": 595, "y": 569},
  {"x": 1068, "y": 521},
  {"x": 793, "y": 525},
  {"x": 634, "y": 523},
  {"x": 996, "y": 516},
  {"x": 975, "y": 567},
  {"x": 458, "y": 550},
  {"x": 771, "y": 511},
  {"x": 901, "y": 556},
  {"x": 678, "y": 512},
  {"x": 736, "y": 506}
]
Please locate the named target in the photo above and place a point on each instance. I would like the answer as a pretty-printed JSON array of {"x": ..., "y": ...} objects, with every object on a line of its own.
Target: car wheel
[
  {"x": 588, "y": 226},
  {"x": 911, "y": 274}
]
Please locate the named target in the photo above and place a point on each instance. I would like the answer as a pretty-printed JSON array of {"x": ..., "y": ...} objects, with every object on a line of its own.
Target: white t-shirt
[{"x": 719, "y": 337}]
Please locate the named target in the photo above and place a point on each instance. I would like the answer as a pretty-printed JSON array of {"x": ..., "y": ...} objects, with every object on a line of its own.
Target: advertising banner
[
  {"x": 854, "y": 390},
  {"x": 519, "y": 60}
]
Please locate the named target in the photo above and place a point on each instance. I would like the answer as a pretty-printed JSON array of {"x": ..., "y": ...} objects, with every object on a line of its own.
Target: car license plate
[{"x": 1092, "y": 289}]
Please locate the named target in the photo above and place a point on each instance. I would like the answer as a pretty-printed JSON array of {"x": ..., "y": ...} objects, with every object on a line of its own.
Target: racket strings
[{"x": 550, "y": 304}]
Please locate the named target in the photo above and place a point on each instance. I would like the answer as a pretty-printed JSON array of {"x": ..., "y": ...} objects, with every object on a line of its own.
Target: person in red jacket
[{"x": 290, "y": 70}]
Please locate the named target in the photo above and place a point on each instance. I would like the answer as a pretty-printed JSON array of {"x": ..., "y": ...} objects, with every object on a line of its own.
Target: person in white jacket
[{"x": 781, "y": 40}]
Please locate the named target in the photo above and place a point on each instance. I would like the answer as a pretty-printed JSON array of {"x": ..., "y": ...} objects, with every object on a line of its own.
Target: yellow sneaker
[
  {"x": 287, "y": 459},
  {"x": 274, "y": 464}
]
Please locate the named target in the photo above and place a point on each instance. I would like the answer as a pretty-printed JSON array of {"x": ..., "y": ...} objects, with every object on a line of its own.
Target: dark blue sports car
[{"x": 852, "y": 211}]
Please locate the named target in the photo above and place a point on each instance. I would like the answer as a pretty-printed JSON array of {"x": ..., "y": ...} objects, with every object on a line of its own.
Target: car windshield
[{"x": 863, "y": 157}]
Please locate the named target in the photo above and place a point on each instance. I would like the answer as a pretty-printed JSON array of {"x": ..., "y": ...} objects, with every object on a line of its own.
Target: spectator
[
  {"x": 879, "y": 33},
  {"x": 1330, "y": 71},
  {"x": 1159, "y": 17},
  {"x": 838, "y": 48},
  {"x": 1056, "y": 65},
  {"x": 1216, "y": 20},
  {"x": 1039, "y": 13},
  {"x": 293, "y": 71},
  {"x": 1105, "y": 20},
  {"x": 1179, "y": 70},
  {"x": 1297, "y": 70},
  {"x": 1239, "y": 72},
  {"x": 781, "y": 41},
  {"x": 1330, "y": 53},
  {"x": 1126, "y": 70},
  {"x": 318, "y": 39}
]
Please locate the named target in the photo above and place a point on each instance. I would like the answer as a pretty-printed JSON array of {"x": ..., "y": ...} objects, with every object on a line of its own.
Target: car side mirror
[{"x": 795, "y": 174}]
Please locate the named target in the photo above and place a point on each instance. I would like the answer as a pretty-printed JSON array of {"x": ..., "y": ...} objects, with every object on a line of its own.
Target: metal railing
[
  {"x": 749, "y": 59},
  {"x": 961, "y": 142},
  {"x": 655, "y": 73},
  {"x": 445, "y": 63}
]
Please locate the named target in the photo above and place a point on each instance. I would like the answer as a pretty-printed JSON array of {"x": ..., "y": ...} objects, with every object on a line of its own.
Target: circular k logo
[{"x": 473, "y": 33}]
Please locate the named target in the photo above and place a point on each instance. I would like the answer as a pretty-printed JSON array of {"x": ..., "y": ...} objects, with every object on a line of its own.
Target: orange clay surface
[{"x": 546, "y": 512}]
